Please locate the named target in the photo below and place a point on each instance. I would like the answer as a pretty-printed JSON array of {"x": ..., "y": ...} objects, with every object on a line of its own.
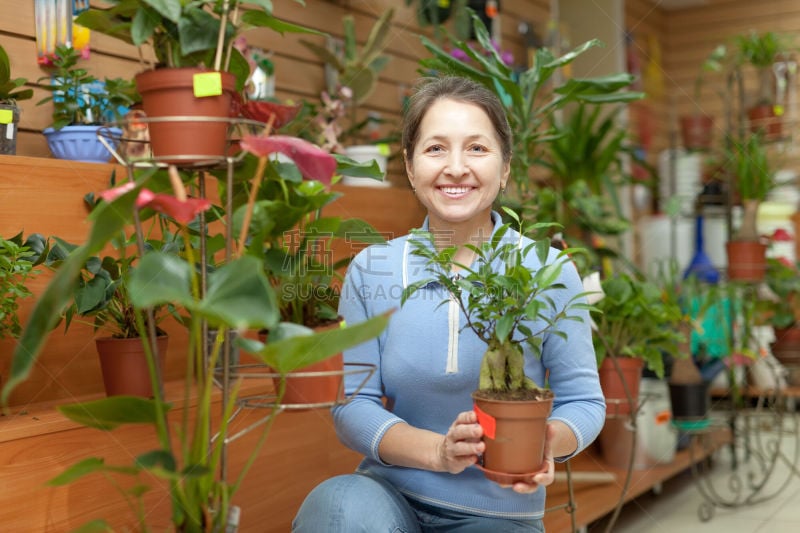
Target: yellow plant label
[
  {"x": 207, "y": 84},
  {"x": 6, "y": 116}
]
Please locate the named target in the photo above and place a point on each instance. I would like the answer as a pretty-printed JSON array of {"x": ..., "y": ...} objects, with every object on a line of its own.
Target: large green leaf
[
  {"x": 240, "y": 296},
  {"x": 261, "y": 19},
  {"x": 109, "y": 413},
  {"x": 289, "y": 354},
  {"x": 161, "y": 278}
]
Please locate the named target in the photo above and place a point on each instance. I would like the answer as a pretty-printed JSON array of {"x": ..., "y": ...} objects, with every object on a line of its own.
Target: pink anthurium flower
[
  {"x": 182, "y": 211},
  {"x": 313, "y": 162}
]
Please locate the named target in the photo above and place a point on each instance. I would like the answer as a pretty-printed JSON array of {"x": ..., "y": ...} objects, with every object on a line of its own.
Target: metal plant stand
[
  {"x": 762, "y": 457},
  {"x": 227, "y": 372}
]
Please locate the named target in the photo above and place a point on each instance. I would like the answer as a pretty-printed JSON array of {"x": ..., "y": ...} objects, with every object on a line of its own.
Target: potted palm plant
[
  {"x": 753, "y": 176},
  {"x": 197, "y": 69},
  {"x": 10, "y": 93},
  {"x": 761, "y": 51},
  {"x": 510, "y": 308},
  {"x": 82, "y": 105}
]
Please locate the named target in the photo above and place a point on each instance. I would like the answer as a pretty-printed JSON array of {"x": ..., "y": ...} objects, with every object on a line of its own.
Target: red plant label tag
[
  {"x": 487, "y": 422},
  {"x": 663, "y": 417},
  {"x": 207, "y": 84}
]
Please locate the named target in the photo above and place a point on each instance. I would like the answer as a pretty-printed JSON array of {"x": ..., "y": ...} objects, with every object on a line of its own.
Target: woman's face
[{"x": 457, "y": 168}]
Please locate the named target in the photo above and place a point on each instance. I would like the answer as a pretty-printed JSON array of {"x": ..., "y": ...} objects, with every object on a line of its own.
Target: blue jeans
[{"x": 357, "y": 503}]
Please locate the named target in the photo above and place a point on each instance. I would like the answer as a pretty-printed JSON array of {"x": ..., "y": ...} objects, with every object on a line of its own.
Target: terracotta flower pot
[
  {"x": 514, "y": 433},
  {"x": 321, "y": 383},
  {"x": 746, "y": 260},
  {"x": 617, "y": 403},
  {"x": 124, "y": 365},
  {"x": 696, "y": 131},
  {"x": 762, "y": 118},
  {"x": 194, "y": 129},
  {"x": 786, "y": 347}
]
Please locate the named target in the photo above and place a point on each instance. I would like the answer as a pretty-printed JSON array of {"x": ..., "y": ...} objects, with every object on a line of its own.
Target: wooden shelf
[{"x": 597, "y": 487}]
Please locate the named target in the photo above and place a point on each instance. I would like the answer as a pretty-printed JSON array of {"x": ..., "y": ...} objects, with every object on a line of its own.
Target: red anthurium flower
[
  {"x": 781, "y": 235},
  {"x": 264, "y": 111},
  {"x": 313, "y": 161},
  {"x": 184, "y": 212}
]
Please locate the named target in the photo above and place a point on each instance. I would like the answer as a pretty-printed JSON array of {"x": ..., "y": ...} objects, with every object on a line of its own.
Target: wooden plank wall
[{"x": 299, "y": 74}]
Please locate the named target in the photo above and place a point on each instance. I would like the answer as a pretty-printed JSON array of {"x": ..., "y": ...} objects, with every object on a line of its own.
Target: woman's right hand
[{"x": 462, "y": 444}]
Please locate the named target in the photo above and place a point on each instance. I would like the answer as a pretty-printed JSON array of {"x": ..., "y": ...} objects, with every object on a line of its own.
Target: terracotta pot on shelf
[
  {"x": 124, "y": 365},
  {"x": 786, "y": 347},
  {"x": 763, "y": 118},
  {"x": 696, "y": 131},
  {"x": 612, "y": 383},
  {"x": 746, "y": 260},
  {"x": 303, "y": 387},
  {"x": 516, "y": 451},
  {"x": 183, "y": 93}
]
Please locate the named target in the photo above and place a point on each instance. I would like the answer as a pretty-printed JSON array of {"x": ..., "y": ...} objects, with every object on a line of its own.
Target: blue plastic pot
[{"x": 79, "y": 143}]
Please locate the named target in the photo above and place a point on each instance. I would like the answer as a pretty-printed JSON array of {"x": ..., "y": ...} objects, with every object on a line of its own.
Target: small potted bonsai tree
[
  {"x": 11, "y": 91},
  {"x": 753, "y": 176},
  {"x": 510, "y": 309},
  {"x": 82, "y": 104}
]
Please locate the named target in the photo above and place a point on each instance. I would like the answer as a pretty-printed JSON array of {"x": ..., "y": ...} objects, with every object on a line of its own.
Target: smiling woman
[{"x": 457, "y": 150}]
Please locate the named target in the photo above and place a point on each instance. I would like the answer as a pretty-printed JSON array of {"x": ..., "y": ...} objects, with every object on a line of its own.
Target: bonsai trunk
[
  {"x": 502, "y": 368},
  {"x": 748, "y": 231}
]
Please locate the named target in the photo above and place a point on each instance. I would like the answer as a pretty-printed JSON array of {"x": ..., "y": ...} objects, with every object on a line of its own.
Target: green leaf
[
  {"x": 157, "y": 459},
  {"x": 78, "y": 470},
  {"x": 170, "y": 9},
  {"x": 264, "y": 20},
  {"x": 159, "y": 279},
  {"x": 289, "y": 354},
  {"x": 240, "y": 296},
  {"x": 109, "y": 413},
  {"x": 95, "y": 526}
]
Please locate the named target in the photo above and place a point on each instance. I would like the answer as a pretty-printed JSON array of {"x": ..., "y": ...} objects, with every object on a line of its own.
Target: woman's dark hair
[{"x": 429, "y": 90}]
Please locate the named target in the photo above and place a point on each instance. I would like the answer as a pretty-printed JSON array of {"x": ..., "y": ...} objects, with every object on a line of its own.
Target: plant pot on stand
[
  {"x": 320, "y": 383},
  {"x": 187, "y": 111},
  {"x": 616, "y": 439},
  {"x": 124, "y": 365},
  {"x": 696, "y": 131}
]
